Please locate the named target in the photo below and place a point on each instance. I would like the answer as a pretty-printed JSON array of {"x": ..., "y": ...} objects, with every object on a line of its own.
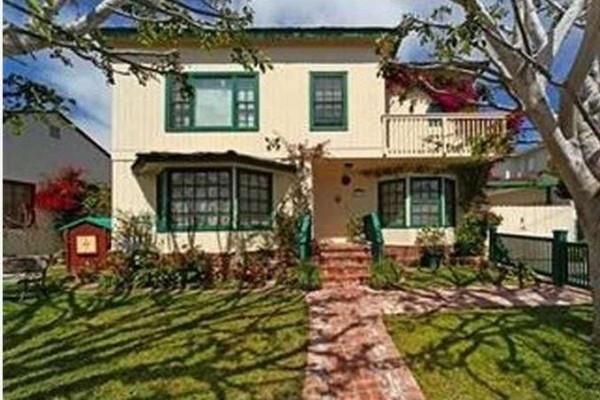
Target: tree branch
[{"x": 589, "y": 51}]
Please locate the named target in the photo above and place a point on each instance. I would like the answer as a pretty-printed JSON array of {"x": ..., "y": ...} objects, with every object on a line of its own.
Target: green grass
[
  {"x": 200, "y": 345},
  {"x": 451, "y": 277},
  {"x": 534, "y": 353}
]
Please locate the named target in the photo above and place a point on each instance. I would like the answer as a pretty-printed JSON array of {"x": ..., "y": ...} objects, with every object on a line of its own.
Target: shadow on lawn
[
  {"x": 547, "y": 348},
  {"x": 156, "y": 345}
]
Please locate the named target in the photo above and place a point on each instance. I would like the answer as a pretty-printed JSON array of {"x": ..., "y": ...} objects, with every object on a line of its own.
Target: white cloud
[
  {"x": 335, "y": 12},
  {"x": 87, "y": 86}
]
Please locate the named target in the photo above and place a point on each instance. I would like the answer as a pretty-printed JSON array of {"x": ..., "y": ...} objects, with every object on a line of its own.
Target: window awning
[{"x": 156, "y": 161}]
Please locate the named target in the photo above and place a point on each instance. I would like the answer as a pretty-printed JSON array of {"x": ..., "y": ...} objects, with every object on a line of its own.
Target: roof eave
[{"x": 350, "y": 35}]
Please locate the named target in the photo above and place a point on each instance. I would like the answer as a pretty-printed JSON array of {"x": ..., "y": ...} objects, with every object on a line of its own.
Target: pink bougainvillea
[
  {"x": 514, "y": 120},
  {"x": 451, "y": 93}
]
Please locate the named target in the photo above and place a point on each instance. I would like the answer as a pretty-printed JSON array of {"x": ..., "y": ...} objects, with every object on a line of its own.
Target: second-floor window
[
  {"x": 213, "y": 102},
  {"x": 328, "y": 101}
]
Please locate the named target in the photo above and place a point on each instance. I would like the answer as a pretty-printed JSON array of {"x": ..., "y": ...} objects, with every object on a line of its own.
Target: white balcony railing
[{"x": 434, "y": 135}]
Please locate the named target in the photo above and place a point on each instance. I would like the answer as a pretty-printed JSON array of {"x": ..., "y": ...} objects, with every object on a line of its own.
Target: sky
[{"x": 87, "y": 86}]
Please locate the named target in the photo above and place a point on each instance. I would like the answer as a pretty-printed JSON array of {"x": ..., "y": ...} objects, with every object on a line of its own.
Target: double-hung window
[
  {"x": 392, "y": 200},
  {"x": 214, "y": 199},
  {"x": 213, "y": 102},
  {"x": 254, "y": 199},
  {"x": 431, "y": 201},
  {"x": 425, "y": 201},
  {"x": 328, "y": 101}
]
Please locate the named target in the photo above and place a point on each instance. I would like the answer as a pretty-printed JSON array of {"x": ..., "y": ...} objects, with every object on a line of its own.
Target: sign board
[{"x": 86, "y": 244}]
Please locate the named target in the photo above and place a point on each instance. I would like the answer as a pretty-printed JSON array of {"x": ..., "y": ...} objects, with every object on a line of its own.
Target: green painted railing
[
  {"x": 305, "y": 237},
  {"x": 565, "y": 262},
  {"x": 373, "y": 233}
]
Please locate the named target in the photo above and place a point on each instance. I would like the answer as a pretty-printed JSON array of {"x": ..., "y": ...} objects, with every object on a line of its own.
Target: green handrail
[
  {"x": 374, "y": 234},
  {"x": 305, "y": 237}
]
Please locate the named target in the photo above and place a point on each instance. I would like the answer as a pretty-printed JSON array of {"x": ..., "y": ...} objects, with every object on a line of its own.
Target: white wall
[
  {"x": 522, "y": 165},
  {"x": 537, "y": 220},
  {"x": 139, "y": 111}
]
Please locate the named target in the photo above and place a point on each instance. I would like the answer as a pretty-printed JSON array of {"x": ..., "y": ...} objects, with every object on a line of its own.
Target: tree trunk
[
  {"x": 594, "y": 257},
  {"x": 588, "y": 215}
]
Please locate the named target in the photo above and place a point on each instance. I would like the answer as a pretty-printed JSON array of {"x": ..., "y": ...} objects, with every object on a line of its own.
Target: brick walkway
[{"x": 351, "y": 355}]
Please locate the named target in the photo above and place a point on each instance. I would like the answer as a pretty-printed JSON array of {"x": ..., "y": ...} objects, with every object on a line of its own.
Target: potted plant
[{"x": 432, "y": 245}]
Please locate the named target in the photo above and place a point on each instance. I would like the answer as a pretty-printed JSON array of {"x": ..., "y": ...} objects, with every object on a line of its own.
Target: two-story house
[{"x": 201, "y": 163}]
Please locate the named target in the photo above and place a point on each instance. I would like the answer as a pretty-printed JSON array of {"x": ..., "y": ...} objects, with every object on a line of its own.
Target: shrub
[
  {"x": 308, "y": 276},
  {"x": 134, "y": 236},
  {"x": 431, "y": 239},
  {"x": 471, "y": 232},
  {"x": 115, "y": 272},
  {"x": 432, "y": 246},
  {"x": 157, "y": 271},
  {"x": 355, "y": 228},
  {"x": 385, "y": 274}
]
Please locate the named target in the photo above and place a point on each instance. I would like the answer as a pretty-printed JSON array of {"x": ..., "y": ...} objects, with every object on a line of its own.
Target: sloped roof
[
  {"x": 143, "y": 159},
  {"x": 101, "y": 222}
]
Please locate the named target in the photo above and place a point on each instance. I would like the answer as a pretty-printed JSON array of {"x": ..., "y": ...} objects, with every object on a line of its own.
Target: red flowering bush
[
  {"x": 68, "y": 196},
  {"x": 64, "y": 193}
]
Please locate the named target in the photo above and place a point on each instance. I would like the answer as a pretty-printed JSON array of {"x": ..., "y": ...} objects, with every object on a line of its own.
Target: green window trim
[
  {"x": 444, "y": 201},
  {"x": 450, "y": 201},
  {"x": 236, "y": 78},
  {"x": 164, "y": 199},
  {"x": 342, "y": 124}
]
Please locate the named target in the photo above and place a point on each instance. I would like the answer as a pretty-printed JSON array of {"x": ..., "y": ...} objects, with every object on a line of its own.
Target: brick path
[{"x": 351, "y": 356}]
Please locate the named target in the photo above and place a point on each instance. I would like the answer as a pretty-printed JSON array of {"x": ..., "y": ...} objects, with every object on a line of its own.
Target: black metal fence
[
  {"x": 564, "y": 262},
  {"x": 578, "y": 261}
]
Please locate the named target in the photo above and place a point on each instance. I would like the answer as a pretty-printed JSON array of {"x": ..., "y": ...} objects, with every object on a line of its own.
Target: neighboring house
[
  {"x": 38, "y": 151},
  {"x": 201, "y": 164},
  {"x": 522, "y": 179},
  {"x": 527, "y": 196}
]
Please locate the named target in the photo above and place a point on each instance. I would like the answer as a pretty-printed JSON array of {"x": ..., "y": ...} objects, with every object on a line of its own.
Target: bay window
[{"x": 214, "y": 199}]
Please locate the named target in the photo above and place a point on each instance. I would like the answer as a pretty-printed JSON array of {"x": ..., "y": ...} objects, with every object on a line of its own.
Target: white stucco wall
[{"x": 537, "y": 220}]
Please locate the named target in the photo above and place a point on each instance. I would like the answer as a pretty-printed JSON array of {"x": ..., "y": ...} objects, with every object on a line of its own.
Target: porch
[{"x": 406, "y": 199}]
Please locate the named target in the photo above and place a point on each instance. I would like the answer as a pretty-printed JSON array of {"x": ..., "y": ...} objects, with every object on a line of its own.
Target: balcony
[{"x": 438, "y": 135}]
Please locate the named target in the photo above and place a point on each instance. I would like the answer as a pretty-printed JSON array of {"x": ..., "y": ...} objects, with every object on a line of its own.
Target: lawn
[
  {"x": 451, "y": 277},
  {"x": 534, "y": 353},
  {"x": 200, "y": 345}
]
